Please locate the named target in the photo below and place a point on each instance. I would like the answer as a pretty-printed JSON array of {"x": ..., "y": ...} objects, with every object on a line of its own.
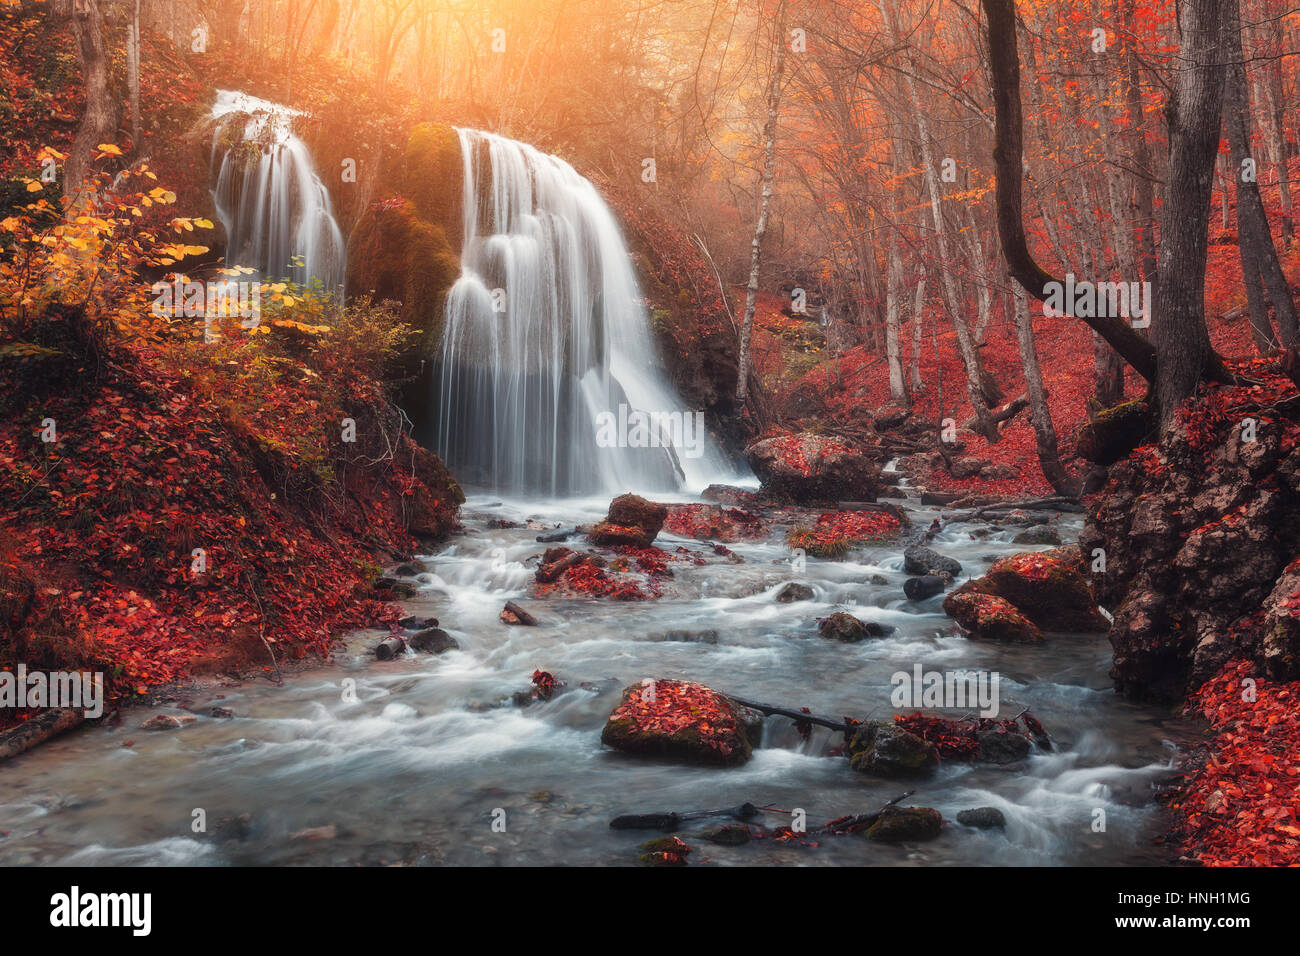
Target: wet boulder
[
  {"x": 794, "y": 592},
  {"x": 918, "y": 559},
  {"x": 808, "y": 468},
  {"x": 633, "y": 511},
  {"x": 847, "y": 629},
  {"x": 983, "y": 818},
  {"x": 1044, "y": 588},
  {"x": 605, "y": 534},
  {"x": 987, "y": 618},
  {"x": 733, "y": 834},
  {"x": 887, "y": 750},
  {"x": 433, "y": 640},
  {"x": 1039, "y": 534},
  {"x": 664, "y": 851},
  {"x": 906, "y": 824},
  {"x": 999, "y": 745},
  {"x": 682, "y": 721},
  {"x": 168, "y": 722},
  {"x": 925, "y": 586}
]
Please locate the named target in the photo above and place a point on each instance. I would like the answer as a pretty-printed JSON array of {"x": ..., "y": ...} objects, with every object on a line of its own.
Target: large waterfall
[
  {"x": 547, "y": 379},
  {"x": 275, "y": 209}
]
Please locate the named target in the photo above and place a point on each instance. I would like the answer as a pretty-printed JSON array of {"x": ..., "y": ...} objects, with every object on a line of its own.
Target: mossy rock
[
  {"x": 681, "y": 721},
  {"x": 396, "y": 255},
  {"x": 435, "y": 174},
  {"x": 1115, "y": 432},
  {"x": 664, "y": 851},
  {"x": 733, "y": 834},
  {"x": 989, "y": 618},
  {"x": 1045, "y": 588},
  {"x": 906, "y": 824},
  {"x": 842, "y": 627},
  {"x": 887, "y": 750}
]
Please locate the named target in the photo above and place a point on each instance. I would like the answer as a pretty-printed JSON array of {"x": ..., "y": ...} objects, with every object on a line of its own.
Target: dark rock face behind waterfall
[{"x": 1198, "y": 537}]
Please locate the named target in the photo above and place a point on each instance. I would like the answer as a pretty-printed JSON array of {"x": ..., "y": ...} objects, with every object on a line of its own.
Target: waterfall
[
  {"x": 275, "y": 209},
  {"x": 547, "y": 380}
]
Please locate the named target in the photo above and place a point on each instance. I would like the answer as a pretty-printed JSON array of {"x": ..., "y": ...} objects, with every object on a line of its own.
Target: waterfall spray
[
  {"x": 546, "y": 346},
  {"x": 275, "y": 209}
]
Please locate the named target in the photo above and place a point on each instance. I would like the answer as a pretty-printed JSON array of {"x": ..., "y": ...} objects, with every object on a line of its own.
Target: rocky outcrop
[
  {"x": 813, "y": 469},
  {"x": 1195, "y": 541}
]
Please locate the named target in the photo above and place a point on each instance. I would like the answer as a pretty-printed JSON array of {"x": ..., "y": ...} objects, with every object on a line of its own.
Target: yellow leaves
[
  {"x": 178, "y": 251},
  {"x": 109, "y": 149},
  {"x": 237, "y": 271},
  {"x": 10, "y": 224},
  {"x": 159, "y": 195},
  {"x": 189, "y": 225},
  {"x": 300, "y": 326},
  {"x": 33, "y": 186}
]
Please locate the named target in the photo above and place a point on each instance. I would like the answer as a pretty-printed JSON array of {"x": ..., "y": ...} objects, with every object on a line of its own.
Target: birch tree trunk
[
  {"x": 764, "y": 206},
  {"x": 1049, "y": 456},
  {"x": 897, "y": 382}
]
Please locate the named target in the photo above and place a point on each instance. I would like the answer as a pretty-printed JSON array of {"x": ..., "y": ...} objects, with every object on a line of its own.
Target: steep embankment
[
  {"x": 1195, "y": 545},
  {"x": 180, "y": 507}
]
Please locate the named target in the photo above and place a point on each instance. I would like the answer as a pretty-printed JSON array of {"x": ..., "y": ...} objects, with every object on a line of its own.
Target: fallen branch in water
[
  {"x": 797, "y": 715},
  {"x": 1057, "y": 503},
  {"x": 668, "y": 822},
  {"x": 860, "y": 821},
  {"x": 39, "y": 729}
]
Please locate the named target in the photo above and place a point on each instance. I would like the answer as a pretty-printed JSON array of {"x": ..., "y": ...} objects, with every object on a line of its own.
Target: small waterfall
[
  {"x": 276, "y": 211},
  {"x": 547, "y": 380}
]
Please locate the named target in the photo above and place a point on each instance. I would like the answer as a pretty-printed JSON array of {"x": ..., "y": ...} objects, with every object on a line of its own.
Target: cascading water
[
  {"x": 547, "y": 378},
  {"x": 275, "y": 209}
]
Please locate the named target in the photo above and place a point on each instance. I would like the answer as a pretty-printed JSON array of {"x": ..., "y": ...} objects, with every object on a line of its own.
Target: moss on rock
[
  {"x": 434, "y": 174},
  {"x": 1115, "y": 432}
]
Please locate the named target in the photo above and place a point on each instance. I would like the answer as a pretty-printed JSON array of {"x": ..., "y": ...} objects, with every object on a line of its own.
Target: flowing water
[
  {"x": 420, "y": 760},
  {"x": 546, "y": 339},
  {"x": 275, "y": 209},
  {"x": 420, "y": 766}
]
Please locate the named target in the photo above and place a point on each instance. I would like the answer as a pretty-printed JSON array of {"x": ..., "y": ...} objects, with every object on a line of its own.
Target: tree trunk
[
  {"x": 99, "y": 121},
  {"x": 897, "y": 381},
  {"x": 1259, "y": 260},
  {"x": 1144, "y": 187},
  {"x": 764, "y": 206},
  {"x": 965, "y": 345},
  {"x": 1049, "y": 457},
  {"x": 918, "y": 305},
  {"x": 1178, "y": 323},
  {"x": 133, "y": 76}
]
